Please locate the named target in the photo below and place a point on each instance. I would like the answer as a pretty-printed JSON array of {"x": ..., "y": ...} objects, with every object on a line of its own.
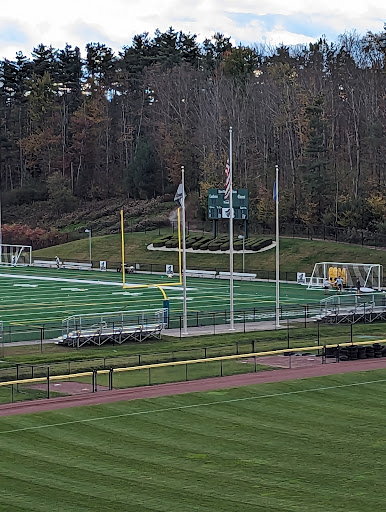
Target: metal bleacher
[
  {"x": 352, "y": 308},
  {"x": 115, "y": 328}
]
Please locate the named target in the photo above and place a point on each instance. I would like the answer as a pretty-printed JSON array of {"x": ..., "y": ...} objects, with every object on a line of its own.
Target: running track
[{"x": 178, "y": 388}]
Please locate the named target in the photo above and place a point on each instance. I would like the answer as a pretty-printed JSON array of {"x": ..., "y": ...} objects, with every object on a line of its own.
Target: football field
[{"x": 32, "y": 295}]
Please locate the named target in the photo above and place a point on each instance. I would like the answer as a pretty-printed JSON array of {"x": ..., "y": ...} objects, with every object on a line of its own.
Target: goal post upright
[
  {"x": 123, "y": 249},
  {"x": 150, "y": 285}
]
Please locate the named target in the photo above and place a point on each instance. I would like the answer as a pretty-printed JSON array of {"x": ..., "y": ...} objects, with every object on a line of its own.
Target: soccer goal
[
  {"x": 15, "y": 254},
  {"x": 370, "y": 275}
]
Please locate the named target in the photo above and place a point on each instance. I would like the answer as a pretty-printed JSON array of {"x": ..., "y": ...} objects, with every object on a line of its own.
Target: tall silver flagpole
[
  {"x": 1, "y": 236},
  {"x": 184, "y": 311},
  {"x": 277, "y": 249},
  {"x": 232, "y": 319}
]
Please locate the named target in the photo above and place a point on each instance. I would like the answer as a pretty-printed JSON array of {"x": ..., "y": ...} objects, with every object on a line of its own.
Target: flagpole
[
  {"x": 184, "y": 309},
  {"x": 277, "y": 249},
  {"x": 1, "y": 235},
  {"x": 232, "y": 320}
]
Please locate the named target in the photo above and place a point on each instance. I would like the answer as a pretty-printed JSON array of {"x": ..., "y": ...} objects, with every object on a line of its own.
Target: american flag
[{"x": 227, "y": 180}]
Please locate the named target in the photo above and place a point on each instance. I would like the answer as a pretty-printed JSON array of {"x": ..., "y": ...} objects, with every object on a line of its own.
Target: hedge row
[{"x": 205, "y": 242}]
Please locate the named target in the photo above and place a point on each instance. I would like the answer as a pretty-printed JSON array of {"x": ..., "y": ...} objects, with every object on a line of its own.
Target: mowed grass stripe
[{"x": 284, "y": 452}]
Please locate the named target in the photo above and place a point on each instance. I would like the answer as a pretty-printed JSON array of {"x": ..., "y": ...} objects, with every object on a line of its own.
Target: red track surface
[{"x": 178, "y": 388}]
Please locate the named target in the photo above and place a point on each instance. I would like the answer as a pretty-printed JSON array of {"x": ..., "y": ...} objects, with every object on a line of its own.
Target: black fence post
[
  {"x": 48, "y": 382},
  {"x": 318, "y": 334},
  {"x": 17, "y": 376},
  {"x": 111, "y": 378},
  {"x": 186, "y": 372},
  {"x": 351, "y": 333},
  {"x": 12, "y": 394},
  {"x": 288, "y": 334},
  {"x": 221, "y": 373},
  {"x": 255, "y": 364},
  {"x": 149, "y": 376}
]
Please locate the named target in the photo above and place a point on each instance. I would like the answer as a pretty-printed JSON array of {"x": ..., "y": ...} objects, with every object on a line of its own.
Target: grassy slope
[
  {"x": 295, "y": 254},
  {"x": 292, "y": 451}
]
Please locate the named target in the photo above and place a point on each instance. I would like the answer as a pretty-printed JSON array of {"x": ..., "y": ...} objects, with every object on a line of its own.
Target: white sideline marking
[
  {"x": 61, "y": 279},
  {"x": 130, "y": 294},
  {"x": 192, "y": 406},
  {"x": 75, "y": 289},
  {"x": 26, "y": 285}
]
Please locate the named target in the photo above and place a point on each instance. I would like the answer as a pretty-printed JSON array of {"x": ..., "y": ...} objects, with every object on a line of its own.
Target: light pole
[
  {"x": 242, "y": 237},
  {"x": 89, "y": 242}
]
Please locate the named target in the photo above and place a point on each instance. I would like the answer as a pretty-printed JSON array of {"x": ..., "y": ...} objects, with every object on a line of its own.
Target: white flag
[{"x": 178, "y": 196}]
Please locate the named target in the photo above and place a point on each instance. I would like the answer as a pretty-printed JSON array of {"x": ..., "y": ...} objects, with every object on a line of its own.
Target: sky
[{"x": 27, "y": 23}]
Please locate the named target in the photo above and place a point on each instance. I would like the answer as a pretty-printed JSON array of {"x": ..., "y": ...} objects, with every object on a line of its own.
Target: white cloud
[{"x": 115, "y": 22}]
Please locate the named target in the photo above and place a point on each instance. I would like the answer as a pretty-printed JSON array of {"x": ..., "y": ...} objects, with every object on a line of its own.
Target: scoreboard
[{"x": 218, "y": 207}]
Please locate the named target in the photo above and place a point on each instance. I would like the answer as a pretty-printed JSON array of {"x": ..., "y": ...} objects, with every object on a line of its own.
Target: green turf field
[
  {"x": 306, "y": 445},
  {"x": 32, "y": 296}
]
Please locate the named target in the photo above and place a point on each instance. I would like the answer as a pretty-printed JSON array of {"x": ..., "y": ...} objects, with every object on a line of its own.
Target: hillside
[
  {"x": 102, "y": 216},
  {"x": 296, "y": 255}
]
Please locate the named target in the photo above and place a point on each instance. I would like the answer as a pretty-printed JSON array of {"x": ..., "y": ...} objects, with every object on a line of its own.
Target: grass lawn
[
  {"x": 296, "y": 255},
  {"x": 67, "y": 360},
  {"x": 21, "y": 395},
  {"x": 306, "y": 445}
]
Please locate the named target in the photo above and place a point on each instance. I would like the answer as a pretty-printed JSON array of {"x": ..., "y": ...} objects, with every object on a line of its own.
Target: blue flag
[{"x": 275, "y": 194}]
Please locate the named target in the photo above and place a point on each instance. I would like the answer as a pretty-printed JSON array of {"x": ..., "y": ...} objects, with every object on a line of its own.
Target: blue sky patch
[
  {"x": 296, "y": 24},
  {"x": 11, "y": 32}
]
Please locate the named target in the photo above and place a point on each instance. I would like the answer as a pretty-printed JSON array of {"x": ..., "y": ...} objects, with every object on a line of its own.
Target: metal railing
[{"x": 100, "y": 380}]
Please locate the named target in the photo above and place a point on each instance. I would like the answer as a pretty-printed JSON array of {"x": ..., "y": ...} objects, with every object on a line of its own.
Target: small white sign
[
  {"x": 169, "y": 270},
  {"x": 226, "y": 213},
  {"x": 103, "y": 265},
  {"x": 301, "y": 277}
]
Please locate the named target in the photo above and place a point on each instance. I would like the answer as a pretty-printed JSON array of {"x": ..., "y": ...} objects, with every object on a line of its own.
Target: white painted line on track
[{"x": 191, "y": 406}]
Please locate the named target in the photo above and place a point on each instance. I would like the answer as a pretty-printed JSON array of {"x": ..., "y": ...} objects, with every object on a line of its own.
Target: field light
[
  {"x": 242, "y": 237},
  {"x": 89, "y": 242}
]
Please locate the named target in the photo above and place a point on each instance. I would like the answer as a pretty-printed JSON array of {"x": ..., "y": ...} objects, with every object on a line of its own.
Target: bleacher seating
[
  {"x": 244, "y": 276},
  {"x": 66, "y": 264},
  {"x": 101, "y": 333},
  {"x": 201, "y": 273}
]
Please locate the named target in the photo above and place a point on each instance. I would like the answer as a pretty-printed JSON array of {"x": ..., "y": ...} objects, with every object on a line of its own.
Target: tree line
[{"x": 108, "y": 124}]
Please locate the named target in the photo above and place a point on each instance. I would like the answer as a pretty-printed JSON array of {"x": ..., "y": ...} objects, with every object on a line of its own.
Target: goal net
[
  {"x": 15, "y": 254},
  {"x": 369, "y": 275}
]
